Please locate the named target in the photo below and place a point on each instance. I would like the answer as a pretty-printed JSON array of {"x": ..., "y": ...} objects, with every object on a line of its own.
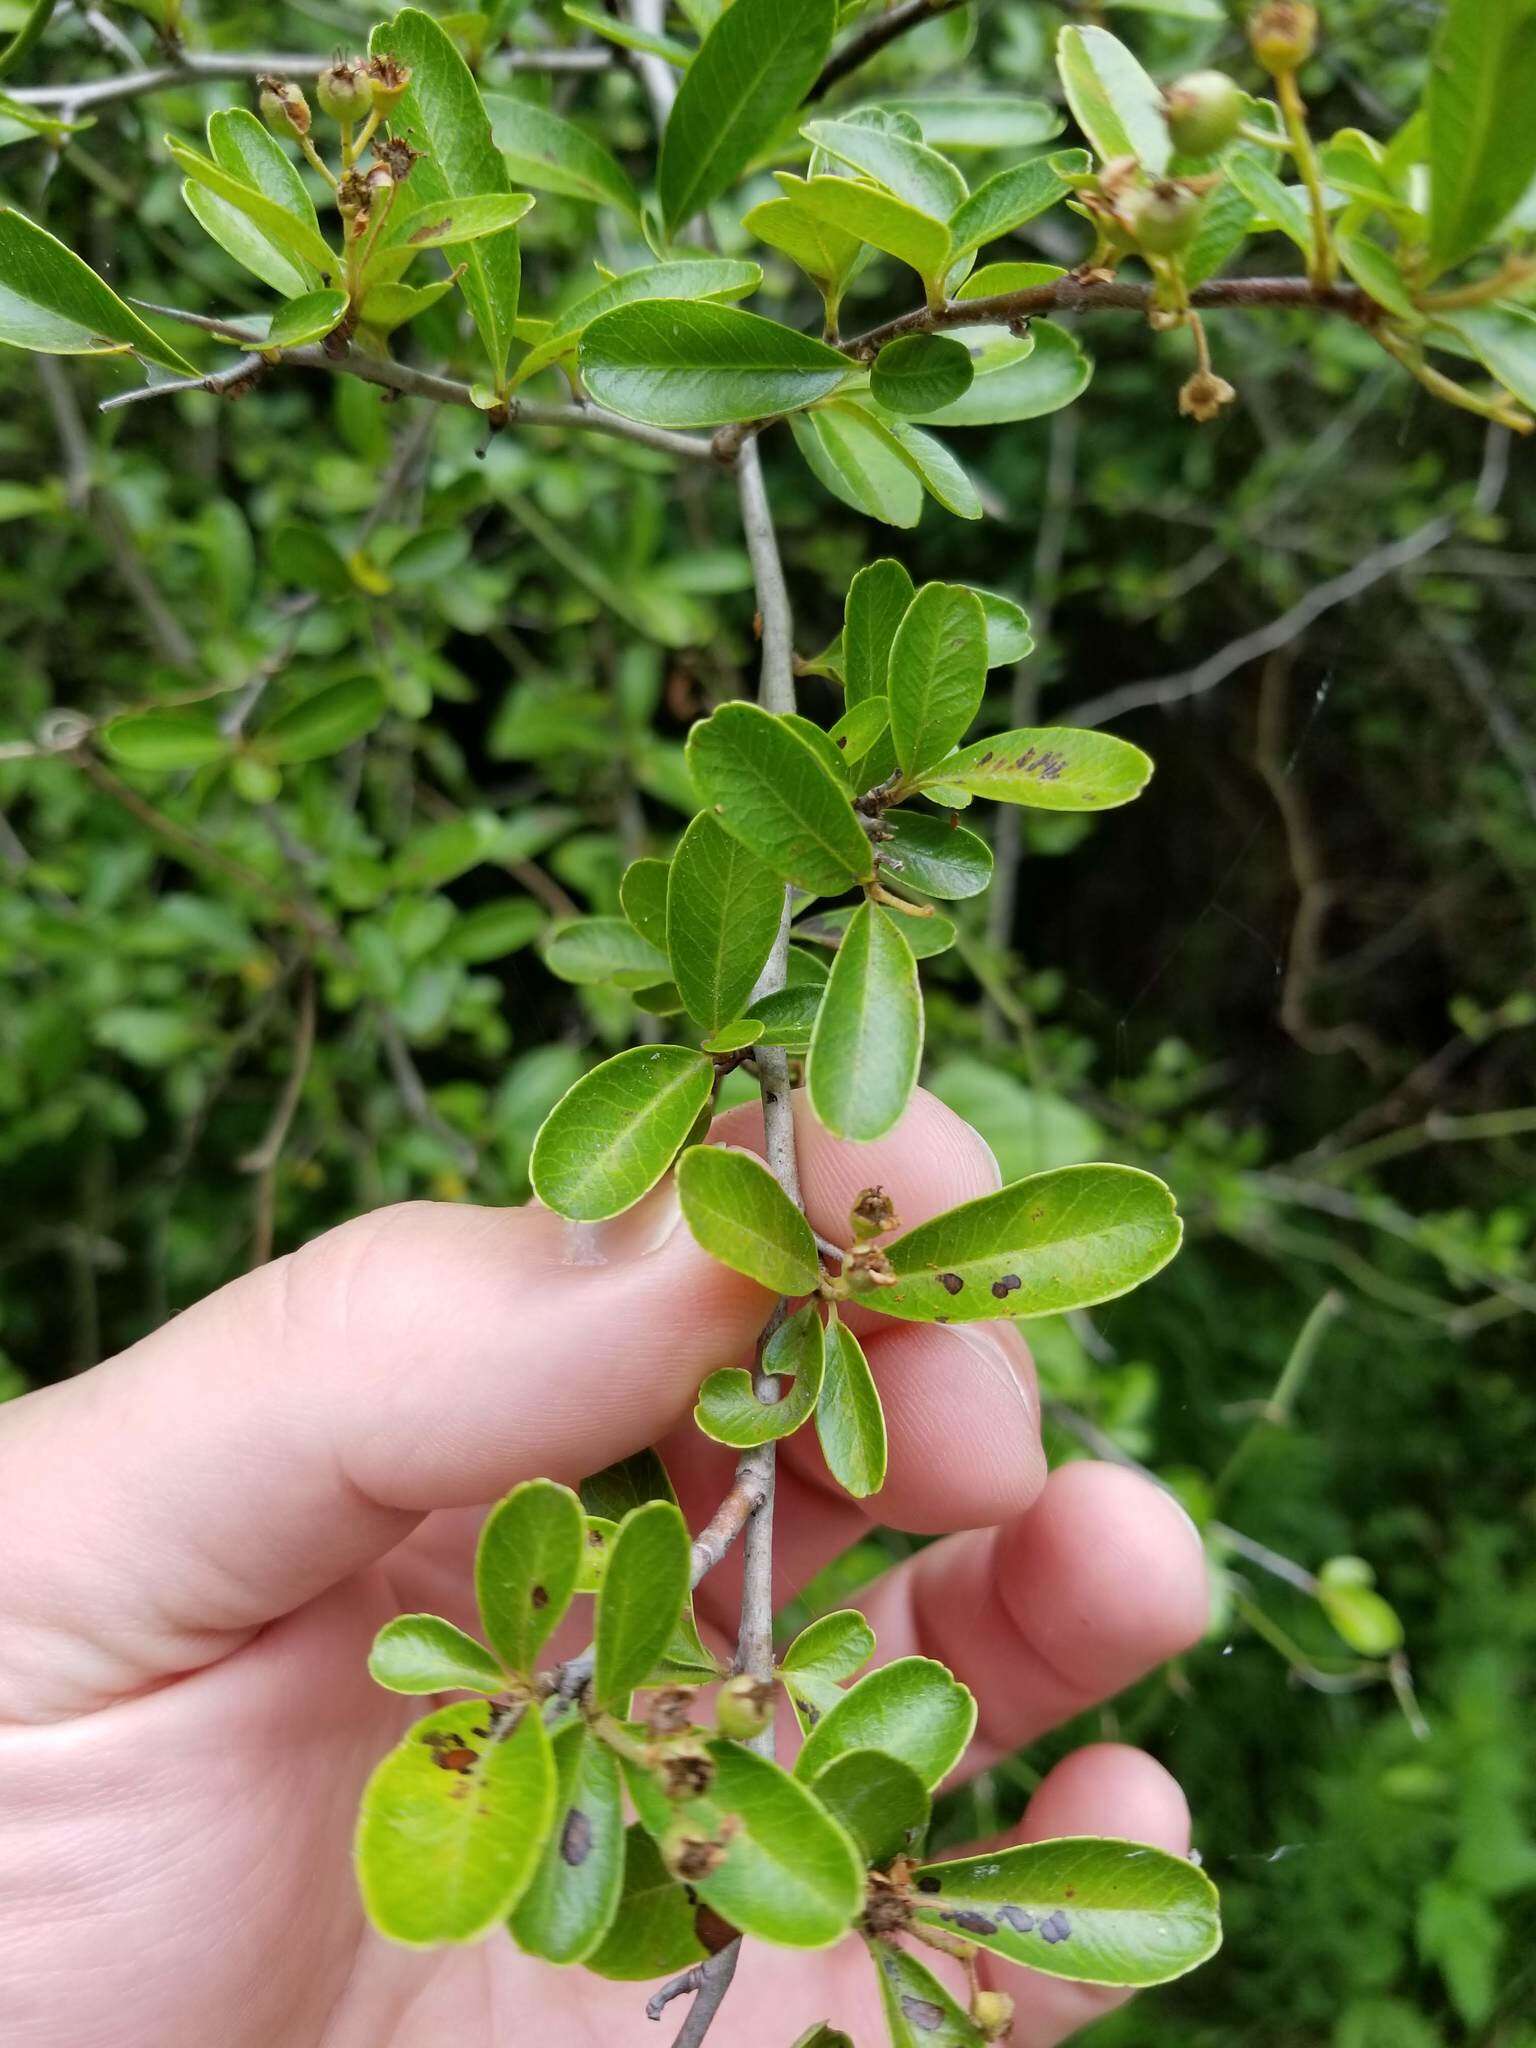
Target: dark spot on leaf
[
  {"x": 950, "y": 1282},
  {"x": 1016, "y": 1917},
  {"x": 456, "y": 1759},
  {"x": 539, "y": 1597},
  {"x": 575, "y": 1838},
  {"x": 432, "y": 228},
  {"x": 595, "y": 1539},
  {"x": 1057, "y": 1928},
  {"x": 1006, "y": 1285},
  {"x": 1069, "y": 1891},
  {"x": 973, "y": 1923},
  {"x": 843, "y": 741},
  {"x": 930, "y": 1884},
  {"x": 484, "y": 1734},
  {"x": 922, "y": 2012},
  {"x": 810, "y": 1714},
  {"x": 986, "y": 757}
]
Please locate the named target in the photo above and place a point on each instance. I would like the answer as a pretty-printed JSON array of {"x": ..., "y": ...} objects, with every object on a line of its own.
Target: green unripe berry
[
  {"x": 744, "y": 1707},
  {"x": 1163, "y": 218},
  {"x": 1283, "y": 35},
  {"x": 388, "y": 80},
  {"x": 283, "y": 107},
  {"x": 1204, "y": 111},
  {"x": 345, "y": 91}
]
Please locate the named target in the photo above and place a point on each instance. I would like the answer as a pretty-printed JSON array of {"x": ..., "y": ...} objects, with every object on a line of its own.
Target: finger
[
  {"x": 1105, "y": 1790},
  {"x": 1097, "y": 1584}
]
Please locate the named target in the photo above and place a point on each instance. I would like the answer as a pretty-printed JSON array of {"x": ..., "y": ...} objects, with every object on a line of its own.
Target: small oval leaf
[
  {"x": 640, "y": 1601},
  {"x": 611, "y": 1137},
  {"x": 914, "y": 1710},
  {"x": 728, "y": 1408},
  {"x": 868, "y": 1040},
  {"x": 527, "y": 1564},
  {"x": 422, "y": 1653},
  {"x": 740, "y": 1215},
  {"x": 920, "y": 372}
]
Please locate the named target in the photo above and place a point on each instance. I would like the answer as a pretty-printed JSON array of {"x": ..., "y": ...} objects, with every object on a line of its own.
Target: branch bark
[{"x": 872, "y": 39}]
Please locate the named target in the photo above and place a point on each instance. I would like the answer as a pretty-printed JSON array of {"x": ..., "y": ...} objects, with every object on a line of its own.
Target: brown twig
[
  {"x": 263, "y": 1160},
  {"x": 876, "y": 36}
]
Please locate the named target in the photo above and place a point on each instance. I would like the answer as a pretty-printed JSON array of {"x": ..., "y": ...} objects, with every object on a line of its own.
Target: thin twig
[
  {"x": 263, "y": 1161},
  {"x": 873, "y": 38},
  {"x": 713, "y": 1981}
]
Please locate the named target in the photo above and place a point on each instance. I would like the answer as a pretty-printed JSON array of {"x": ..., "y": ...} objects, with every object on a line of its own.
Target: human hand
[{"x": 201, "y": 1538}]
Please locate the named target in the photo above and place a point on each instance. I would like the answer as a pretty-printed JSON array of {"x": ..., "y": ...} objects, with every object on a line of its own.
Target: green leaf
[
  {"x": 1376, "y": 272},
  {"x": 643, "y": 899},
  {"x": 1113, "y": 101},
  {"x": 652, "y": 1933},
  {"x": 868, "y": 1039},
  {"x": 628, "y": 37},
  {"x": 420, "y": 1653},
  {"x": 914, "y": 1710},
  {"x": 926, "y": 936},
  {"x": 527, "y": 1563},
  {"x": 458, "y": 221},
  {"x": 770, "y": 787},
  {"x": 911, "y": 170},
  {"x": 740, "y": 1215},
  {"x": 977, "y": 120},
  {"x": 1223, "y": 227},
  {"x": 823, "y": 2036},
  {"x": 334, "y": 718},
  {"x": 56, "y": 305},
  {"x": 992, "y": 278},
  {"x": 642, "y": 1597},
  {"x": 788, "y": 1017},
  {"x": 1017, "y": 377},
  {"x": 1458, "y": 1930},
  {"x": 443, "y": 115},
  {"x": 934, "y": 856},
  {"x": 1007, "y": 201},
  {"x": 1052, "y": 1242},
  {"x": 160, "y": 741},
  {"x": 846, "y": 452},
  {"x": 293, "y": 233},
  {"x": 574, "y": 1894},
  {"x": 595, "y": 1553},
  {"x": 877, "y": 603},
  {"x": 850, "y": 1421},
  {"x": 754, "y": 67},
  {"x": 704, "y": 277},
  {"x": 733, "y": 1037},
  {"x": 789, "y": 1873},
  {"x": 882, "y": 1802},
  {"x": 728, "y": 1409},
  {"x": 609, "y": 1496},
  {"x": 307, "y": 318},
  {"x": 938, "y": 674},
  {"x": 935, "y": 468},
  {"x": 1502, "y": 338},
  {"x": 1008, "y": 635},
  {"x": 830, "y": 1649},
  {"x": 586, "y": 950},
  {"x": 672, "y": 364},
  {"x": 879, "y": 218},
  {"x": 919, "y": 2011},
  {"x": 1357, "y": 1613},
  {"x": 724, "y": 908},
  {"x": 919, "y": 373},
  {"x": 1055, "y": 768},
  {"x": 1482, "y": 141},
  {"x": 248, "y": 151},
  {"x": 1277, "y": 206},
  {"x": 1097, "y": 1911},
  {"x": 825, "y": 253},
  {"x": 611, "y": 1137},
  {"x": 544, "y": 150},
  {"x": 452, "y": 1826},
  {"x": 239, "y": 236},
  {"x": 857, "y": 731}
]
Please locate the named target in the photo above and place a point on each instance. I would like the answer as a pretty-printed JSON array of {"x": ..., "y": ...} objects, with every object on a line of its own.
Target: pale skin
[{"x": 199, "y": 1539}]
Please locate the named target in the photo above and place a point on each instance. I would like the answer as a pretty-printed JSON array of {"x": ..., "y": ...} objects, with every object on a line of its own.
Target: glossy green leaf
[
  {"x": 823, "y": 2036},
  {"x": 1095, "y": 1910},
  {"x": 993, "y": 278},
  {"x": 934, "y": 856},
  {"x": 469, "y": 217},
  {"x": 992, "y": 120},
  {"x": 574, "y": 1894},
  {"x": 243, "y": 149},
  {"x": 754, "y": 67},
  {"x": 595, "y": 1553},
  {"x": 733, "y": 1037},
  {"x": 1008, "y": 636},
  {"x": 846, "y": 452},
  {"x": 789, "y": 1873},
  {"x": 611, "y": 1137},
  {"x": 421, "y": 1653},
  {"x": 728, "y": 1409},
  {"x": 1482, "y": 142},
  {"x": 652, "y": 1933},
  {"x": 1274, "y": 204},
  {"x": 609, "y": 1495},
  {"x": 935, "y": 467},
  {"x": 1375, "y": 270},
  {"x": 452, "y": 1826},
  {"x": 643, "y": 899},
  {"x": 770, "y": 787},
  {"x": 926, "y": 936},
  {"x": 247, "y": 150},
  {"x": 913, "y": 1709},
  {"x": 239, "y": 236},
  {"x": 724, "y": 908},
  {"x": 919, "y": 373},
  {"x": 850, "y": 1421},
  {"x": 1052, "y": 1242},
  {"x": 938, "y": 674},
  {"x": 825, "y": 253},
  {"x": 788, "y": 1016},
  {"x": 627, "y": 37},
  {"x": 296, "y": 235},
  {"x": 740, "y": 1215},
  {"x": 877, "y": 217},
  {"x": 911, "y": 170},
  {"x": 444, "y": 116},
  {"x": 1017, "y": 377},
  {"x": 1113, "y": 101},
  {"x": 1224, "y": 224},
  {"x": 702, "y": 277},
  {"x": 1057, "y": 768},
  {"x": 161, "y": 741},
  {"x": 877, "y": 603},
  {"x": 1502, "y": 337},
  {"x": 881, "y": 1801},
  {"x": 642, "y": 1596},
  {"x": 675, "y": 364},
  {"x": 829, "y": 1650},
  {"x": 857, "y": 731},
  {"x": 868, "y": 1039},
  {"x": 1005, "y": 202},
  {"x": 332, "y": 719},
  {"x": 919, "y": 2010},
  {"x": 594, "y": 949},
  {"x": 527, "y": 1563},
  {"x": 544, "y": 150},
  {"x": 56, "y": 305},
  {"x": 494, "y": 930},
  {"x": 308, "y": 318}
]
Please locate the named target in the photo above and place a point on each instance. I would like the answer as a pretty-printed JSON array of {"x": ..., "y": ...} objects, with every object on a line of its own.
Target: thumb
[{"x": 296, "y": 1425}]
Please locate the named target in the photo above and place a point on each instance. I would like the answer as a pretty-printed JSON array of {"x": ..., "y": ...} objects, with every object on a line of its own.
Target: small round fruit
[
  {"x": 1204, "y": 111},
  {"x": 388, "y": 80},
  {"x": 1283, "y": 34},
  {"x": 744, "y": 1707},
  {"x": 283, "y": 107},
  {"x": 993, "y": 2013},
  {"x": 1163, "y": 218},
  {"x": 345, "y": 91}
]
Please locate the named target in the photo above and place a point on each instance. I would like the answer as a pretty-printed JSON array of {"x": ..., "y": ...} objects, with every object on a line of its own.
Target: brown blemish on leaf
[
  {"x": 930, "y": 1884},
  {"x": 576, "y": 1838},
  {"x": 1057, "y": 1928},
  {"x": 1006, "y": 1285},
  {"x": 433, "y": 228},
  {"x": 458, "y": 1759},
  {"x": 950, "y": 1282},
  {"x": 539, "y": 1598},
  {"x": 923, "y": 2013},
  {"x": 695, "y": 1857},
  {"x": 1016, "y": 1918},
  {"x": 973, "y": 1922}
]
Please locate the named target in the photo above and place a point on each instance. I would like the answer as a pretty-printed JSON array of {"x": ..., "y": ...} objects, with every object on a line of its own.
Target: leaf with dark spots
[
  {"x": 1056, "y": 1928},
  {"x": 950, "y": 1282},
  {"x": 922, "y": 2012},
  {"x": 576, "y": 1838},
  {"x": 433, "y": 230}
]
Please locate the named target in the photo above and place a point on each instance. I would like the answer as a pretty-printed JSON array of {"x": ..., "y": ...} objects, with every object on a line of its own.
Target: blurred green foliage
[{"x": 1295, "y": 980}]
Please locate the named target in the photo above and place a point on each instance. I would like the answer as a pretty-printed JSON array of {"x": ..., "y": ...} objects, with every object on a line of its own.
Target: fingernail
[
  {"x": 636, "y": 1234},
  {"x": 990, "y": 1353},
  {"x": 1184, "y": 1516},
  {"x": 997, "y": 1171}
]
